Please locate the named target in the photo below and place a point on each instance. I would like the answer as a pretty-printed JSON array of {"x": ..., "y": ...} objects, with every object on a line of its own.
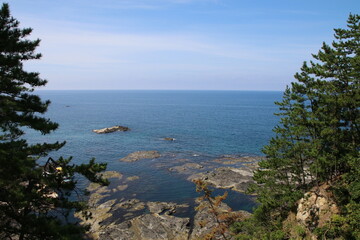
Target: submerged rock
[
  {"x": 122, "y": 187},
  {"x": 186, "y": 168},
  {"x": 111, "y": 174},
  {"x": 132, "y": 178},
  {"x": 111, "y": 129},
  {"x": 135, "y": 156}
]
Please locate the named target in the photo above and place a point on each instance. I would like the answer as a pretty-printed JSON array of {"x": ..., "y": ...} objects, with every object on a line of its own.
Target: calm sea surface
[{"x": 205, "y": 124}]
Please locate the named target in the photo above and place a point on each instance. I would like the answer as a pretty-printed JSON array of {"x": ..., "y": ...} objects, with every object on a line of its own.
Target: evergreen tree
[
  {"x": 318, "y": 138},
  {"x": 35, "y": 202}
]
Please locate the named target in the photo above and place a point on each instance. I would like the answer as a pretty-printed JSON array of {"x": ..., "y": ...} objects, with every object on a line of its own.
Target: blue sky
[{"x": 178, "y": 44}]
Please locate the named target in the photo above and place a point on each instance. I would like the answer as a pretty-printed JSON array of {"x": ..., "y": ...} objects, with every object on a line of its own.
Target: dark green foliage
[
  {"x": 34, "y": 203},
  {"x": 317, "y": 140}
]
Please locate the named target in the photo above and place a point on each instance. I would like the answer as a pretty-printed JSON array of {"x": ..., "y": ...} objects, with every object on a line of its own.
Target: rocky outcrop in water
[
  {"x": 169, "y": 139},
  {"x": 186, "y": 168},
  {"x": 132, "y": 219},
  {"x": 237, "y": 179},
  {"x": 135, "y": 156},
  {"x": 111, "y": 129}
]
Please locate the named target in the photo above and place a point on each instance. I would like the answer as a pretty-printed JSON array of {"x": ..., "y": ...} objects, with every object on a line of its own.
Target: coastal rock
[
  {"x": 122, "y": 187},
  {"x": 186, "y": 168},
  {"x": 96, "y": 197},
  {"x": 230, "y": 159},
  {"x": 95, "y": 187},
  {"x": 205, "y": 220},
  {"x": 169, "y": 139},
  {"x": 99, "y": 214},
  {"x": 237, "y": 179},
  {"x": 167, "y": 208},
  {"x": 149, "y": 227},
  {"x": 111, "y": 174},
  {"x": 130, "y": 205},
  {"x": 132, "y": 178},
  {"x": 111, "y": 129},
  {"x": 135, "y": 156}
]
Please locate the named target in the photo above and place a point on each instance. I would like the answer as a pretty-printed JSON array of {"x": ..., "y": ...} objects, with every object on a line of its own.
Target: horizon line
[{"x": 244, "y": 90}]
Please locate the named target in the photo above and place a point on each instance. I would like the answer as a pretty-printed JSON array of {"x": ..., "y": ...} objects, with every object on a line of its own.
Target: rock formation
[
  {"x": 314, "y": 210},
  {"x": 237, "y": 179},
  {"x": 111, "y": 129},
  {"x": 135, "y": 156}
]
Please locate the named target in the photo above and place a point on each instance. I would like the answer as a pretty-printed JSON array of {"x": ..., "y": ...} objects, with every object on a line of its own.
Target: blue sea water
[{"x": 205, "y": 124}]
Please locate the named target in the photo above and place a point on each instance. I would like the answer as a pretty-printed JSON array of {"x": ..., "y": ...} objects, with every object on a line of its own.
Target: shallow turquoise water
[{"x": 206, "y": 125}]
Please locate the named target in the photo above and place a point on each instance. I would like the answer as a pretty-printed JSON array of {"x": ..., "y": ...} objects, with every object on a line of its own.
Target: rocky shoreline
[{"x": 149, "y": 220}]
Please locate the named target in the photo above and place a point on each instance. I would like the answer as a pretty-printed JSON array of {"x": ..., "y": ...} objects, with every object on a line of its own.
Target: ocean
[{"x": 205, "y": 124}]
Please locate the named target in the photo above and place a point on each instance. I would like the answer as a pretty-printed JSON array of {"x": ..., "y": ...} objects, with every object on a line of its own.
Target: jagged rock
[
  {"x": 316, "y": 208},
  {"x": 135, "y": 156},
  {"x": 99, "y": 214},
  {"x": 149, "y": 227},
  {"x": 205, "y": 220},
  {"x": 111, "y": 129},
  {"x": 236, "y": 179},
  {"x": 186, "y": 168},
  {"x": 131, "y": 205},
  {"x": 117, "y": 232},
  {"x": 164, "y": 207}
]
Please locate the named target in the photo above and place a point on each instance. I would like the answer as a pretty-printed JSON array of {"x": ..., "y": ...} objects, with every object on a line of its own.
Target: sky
[{"x": 177, "y": 44}]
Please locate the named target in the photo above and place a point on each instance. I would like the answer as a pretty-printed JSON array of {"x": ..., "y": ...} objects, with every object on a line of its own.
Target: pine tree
[
  {"x": 318, "y": 137},
  {"x": 35, "y": 202}
]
